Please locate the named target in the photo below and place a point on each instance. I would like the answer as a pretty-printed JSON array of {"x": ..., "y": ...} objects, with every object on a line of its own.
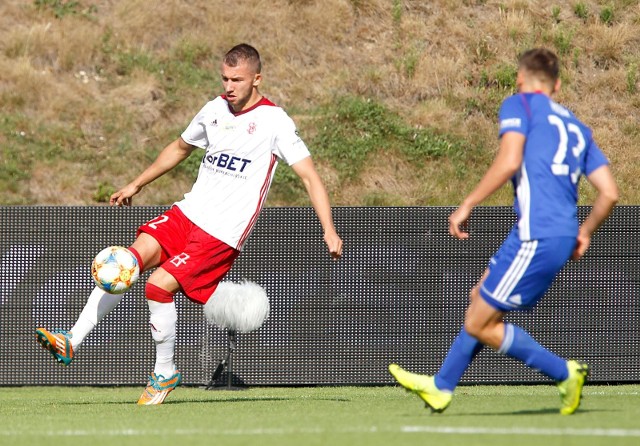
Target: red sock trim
[
  {"x": 157, "y": 294},
  {"x": 138, "y": 258}
]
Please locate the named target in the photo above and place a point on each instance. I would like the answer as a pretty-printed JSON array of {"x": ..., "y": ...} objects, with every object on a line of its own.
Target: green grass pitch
[{"x": 302, "y": 416}]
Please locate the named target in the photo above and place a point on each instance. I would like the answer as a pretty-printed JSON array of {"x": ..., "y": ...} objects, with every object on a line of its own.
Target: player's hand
[
  {"x": 334, "y": 244},
  {"x": 582, "y": 244},
  {"x": 458, "y": 222},
  {"x": 124, "y": 196}
]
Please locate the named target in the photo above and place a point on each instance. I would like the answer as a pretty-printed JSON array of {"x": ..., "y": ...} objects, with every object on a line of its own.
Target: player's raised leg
[{"x": 63, "y": 344}]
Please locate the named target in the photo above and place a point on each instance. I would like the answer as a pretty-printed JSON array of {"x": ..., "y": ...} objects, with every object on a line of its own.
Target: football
[{"x": 115, "y": 269}]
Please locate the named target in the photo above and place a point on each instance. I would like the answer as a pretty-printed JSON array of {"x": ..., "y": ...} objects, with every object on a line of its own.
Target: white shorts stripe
[{"x": 516, "y": 271}]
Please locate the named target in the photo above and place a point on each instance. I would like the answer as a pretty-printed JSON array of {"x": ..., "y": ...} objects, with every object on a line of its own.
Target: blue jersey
[{"x": 558, "y": 150}]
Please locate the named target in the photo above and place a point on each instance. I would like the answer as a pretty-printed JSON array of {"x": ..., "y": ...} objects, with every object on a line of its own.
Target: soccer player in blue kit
[{"x": 544, "y": 150}]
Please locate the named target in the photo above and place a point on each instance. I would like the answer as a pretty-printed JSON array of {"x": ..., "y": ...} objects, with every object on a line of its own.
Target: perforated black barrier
[{"x": 398, "y": 295}]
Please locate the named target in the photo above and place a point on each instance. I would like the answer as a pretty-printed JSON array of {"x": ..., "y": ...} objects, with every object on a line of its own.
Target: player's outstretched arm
[
  {"x": 172, "y": 155},
  {"x": 306, "y": 170},
  {"x": 608, "y": 195},
  {"x": 504, "y": 166}
]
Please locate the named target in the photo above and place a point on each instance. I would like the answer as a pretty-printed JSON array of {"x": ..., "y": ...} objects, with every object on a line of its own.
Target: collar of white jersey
[{"x": 262, "y": 101}]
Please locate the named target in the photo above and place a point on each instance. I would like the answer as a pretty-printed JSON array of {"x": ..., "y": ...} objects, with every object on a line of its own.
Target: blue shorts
[{"x": 521, "y": 272}]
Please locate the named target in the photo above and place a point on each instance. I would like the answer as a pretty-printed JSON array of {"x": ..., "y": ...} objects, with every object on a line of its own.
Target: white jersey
[{"x": 242, "y": 152}]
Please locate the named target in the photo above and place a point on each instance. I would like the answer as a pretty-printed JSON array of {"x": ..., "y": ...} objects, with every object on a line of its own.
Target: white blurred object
[{"x": 241, "y": 307}]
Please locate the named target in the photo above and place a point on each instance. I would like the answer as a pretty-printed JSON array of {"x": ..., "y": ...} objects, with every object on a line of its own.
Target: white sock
[
  {"x": 99, "y": 304},
  {"x": 162, "y": 321}
]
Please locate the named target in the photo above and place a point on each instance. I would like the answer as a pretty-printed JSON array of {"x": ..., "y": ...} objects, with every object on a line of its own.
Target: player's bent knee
[
  {"x": 477, "y": 326},
  {"x": 474, "y": 329},
  {"x": 157, "y": 294}
]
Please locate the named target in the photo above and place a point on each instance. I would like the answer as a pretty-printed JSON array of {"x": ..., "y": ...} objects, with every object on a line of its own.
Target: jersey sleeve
[
  {"x": 594, "y": 158},
  {"x": 513, "y": 115},
  {"x": 195, "y": 134},
  {"x": 288, "y": 144}
]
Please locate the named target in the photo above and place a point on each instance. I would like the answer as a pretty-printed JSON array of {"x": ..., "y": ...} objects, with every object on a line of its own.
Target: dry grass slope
[{"x": 91, "y": 90}]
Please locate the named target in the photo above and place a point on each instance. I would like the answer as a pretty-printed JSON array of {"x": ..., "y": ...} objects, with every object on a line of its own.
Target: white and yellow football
[{"x": 115, "y": 269}]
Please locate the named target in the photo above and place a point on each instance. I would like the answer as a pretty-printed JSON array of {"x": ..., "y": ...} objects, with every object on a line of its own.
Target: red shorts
[{"x": 197, "y": 260}]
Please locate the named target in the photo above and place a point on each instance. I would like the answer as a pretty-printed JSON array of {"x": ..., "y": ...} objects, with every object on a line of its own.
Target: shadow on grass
[
  {"x": 252, "y": 400},
  {"x": 226, "y": 400},
  {"x": 526, "y": 412},
  {"x": 203, "y": 400}
]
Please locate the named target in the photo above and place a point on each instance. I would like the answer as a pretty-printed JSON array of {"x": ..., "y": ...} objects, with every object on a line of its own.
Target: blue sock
[
  {"x": 464, "y": 348},
  {"x": 519, "y": 345}
]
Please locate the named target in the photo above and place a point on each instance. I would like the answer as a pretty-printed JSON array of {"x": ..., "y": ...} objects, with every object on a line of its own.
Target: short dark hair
[
  {"x": 542, "y": 63},
  {"x": 243, "y": 52}
]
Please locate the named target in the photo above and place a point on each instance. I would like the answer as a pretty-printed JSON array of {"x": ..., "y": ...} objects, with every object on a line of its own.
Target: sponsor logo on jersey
[
  {"x": 510, "y": 123},
  {"x": 252, "y": 128},
  {"x": 226, "y": 161}
]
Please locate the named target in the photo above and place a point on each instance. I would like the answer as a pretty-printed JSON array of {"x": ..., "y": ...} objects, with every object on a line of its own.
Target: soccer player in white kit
[{"x": 194, "y": 244}]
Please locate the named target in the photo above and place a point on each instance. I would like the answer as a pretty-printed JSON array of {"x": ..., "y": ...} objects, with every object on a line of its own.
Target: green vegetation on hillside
[{"x": 397, "y": 103}]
